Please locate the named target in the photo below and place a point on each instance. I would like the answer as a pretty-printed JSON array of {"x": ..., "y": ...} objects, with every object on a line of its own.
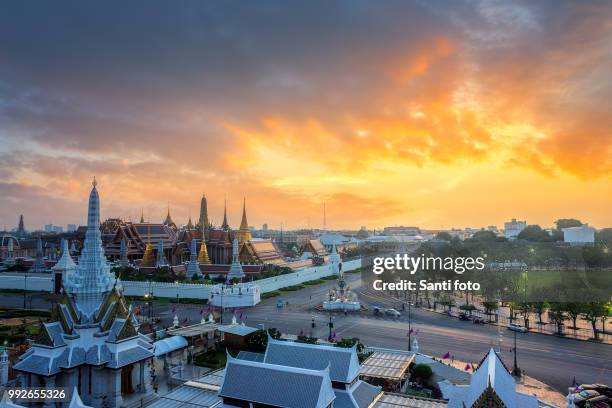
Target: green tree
[
  {"x": 350, "y": 342},
  {"x": 422, "y": 371},
  {"x": 307, "y": 339},
  {"x": 592, "y": 311},
  {"x": 567, "y": 223},
  {"x": 539, "y": 308},
  {"x": 443, "y": 235},
  {"x": 525, "y": 308},
  {"x": 484, "y": 236},
  {"x": 258, "y": 341},
  {"x": 489, "y": 307},
  {"x": 534, "y": 233},
  {"x": 556, "y": 315},
  {"x": 604, "y": 236},
  {"x": 573, "y": 311}
]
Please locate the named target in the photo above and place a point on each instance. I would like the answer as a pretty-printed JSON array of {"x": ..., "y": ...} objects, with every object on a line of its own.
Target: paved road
[{"x": 550, "y": 359}]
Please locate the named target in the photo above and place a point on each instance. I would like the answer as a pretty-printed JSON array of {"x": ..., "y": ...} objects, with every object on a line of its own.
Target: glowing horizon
[{"x": 457, "y": 115}]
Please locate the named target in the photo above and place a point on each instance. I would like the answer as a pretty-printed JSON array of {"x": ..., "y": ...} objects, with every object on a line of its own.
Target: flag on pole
[
  {"x": 446, "y": 356},
  {"x": 467, "y": 367},
  {"x": 410, "y": 331}
]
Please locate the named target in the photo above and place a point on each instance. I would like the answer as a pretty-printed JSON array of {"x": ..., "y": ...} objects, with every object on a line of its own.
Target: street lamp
[
  {"x": 331, "y": 326},
  {"x": 516, "y": 371},
  {"x": 409, "y": 326},
  {"x": 25, "y": 288}
]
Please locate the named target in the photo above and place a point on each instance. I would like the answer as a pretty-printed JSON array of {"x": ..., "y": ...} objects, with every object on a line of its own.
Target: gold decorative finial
[{"x": 94, "y": 182}]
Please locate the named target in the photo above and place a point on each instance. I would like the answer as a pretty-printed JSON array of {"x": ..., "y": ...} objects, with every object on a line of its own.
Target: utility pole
[
  {"x": 409, "y": 327},
  {"x": 516, "y": 371}
]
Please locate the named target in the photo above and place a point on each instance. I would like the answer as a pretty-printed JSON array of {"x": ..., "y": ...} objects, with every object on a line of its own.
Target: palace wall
[{"x": 184, "y": 290}]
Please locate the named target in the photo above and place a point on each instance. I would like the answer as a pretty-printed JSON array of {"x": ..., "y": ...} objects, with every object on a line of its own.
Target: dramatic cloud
[{"x": 401, "y": 112}]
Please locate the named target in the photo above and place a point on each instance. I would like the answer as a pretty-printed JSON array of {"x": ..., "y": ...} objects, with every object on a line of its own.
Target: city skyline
[{"x": 465, "y": 114}]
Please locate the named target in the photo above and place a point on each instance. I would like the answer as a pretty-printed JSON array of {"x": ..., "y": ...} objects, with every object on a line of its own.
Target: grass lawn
[{"x": 212, "y": 359}]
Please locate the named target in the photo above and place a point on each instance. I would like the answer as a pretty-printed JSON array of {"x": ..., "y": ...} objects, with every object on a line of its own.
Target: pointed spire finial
[{"x": 94, "y": 183}]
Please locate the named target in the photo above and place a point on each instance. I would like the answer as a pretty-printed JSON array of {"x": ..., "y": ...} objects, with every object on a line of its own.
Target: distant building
[
  {"x": 513, "y": 228},
  {"x": 582, "y": 235},
  {"x": 48, "y": 228},
  {"x": 264, "y": 228},
  {"x": 71, "y": 227},
  {"x": 401, "y": 230}
]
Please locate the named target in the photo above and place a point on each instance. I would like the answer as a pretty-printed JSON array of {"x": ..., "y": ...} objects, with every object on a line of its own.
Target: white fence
[
  {"x": 33, "y": 283},
  {"x": 303, "y": 275},
  {"x": 182, "y": 290},
  {"x": 167, "y": 289}
]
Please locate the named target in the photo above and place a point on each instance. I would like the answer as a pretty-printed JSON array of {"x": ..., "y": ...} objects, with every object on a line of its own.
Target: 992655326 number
[{"x": 33, "y": 394}]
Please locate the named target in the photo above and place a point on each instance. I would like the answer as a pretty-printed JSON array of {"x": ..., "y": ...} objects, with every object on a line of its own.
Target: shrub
[{"x": 422, "y": 371}]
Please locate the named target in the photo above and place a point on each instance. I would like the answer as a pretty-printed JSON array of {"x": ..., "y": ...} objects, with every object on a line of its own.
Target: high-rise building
[{"x": 71, "y": 227}]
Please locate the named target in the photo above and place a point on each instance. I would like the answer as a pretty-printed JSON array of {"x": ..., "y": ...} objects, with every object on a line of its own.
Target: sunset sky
[{"x": 427, "y": 113}]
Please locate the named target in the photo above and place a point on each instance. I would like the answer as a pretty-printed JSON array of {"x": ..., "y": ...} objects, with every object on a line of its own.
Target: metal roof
[
  {"x": 237, "y": 329},
  {"x": 249, "y": 355},
  {"x": 194, "y": 330},
  {"x": 343, "y": 362},
  {"x": 169, "y": 344},
  {"x": 388, "y": 400},
  {"x": 387, "y": 365},
  {"x": 187, "y": 397},
  {"x": 276, "y": 385}
]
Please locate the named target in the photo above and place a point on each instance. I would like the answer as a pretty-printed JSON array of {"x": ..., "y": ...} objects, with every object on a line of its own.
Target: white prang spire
[
  {"x": 93, "y": 279},
  {"x": 235, "y": 271}
]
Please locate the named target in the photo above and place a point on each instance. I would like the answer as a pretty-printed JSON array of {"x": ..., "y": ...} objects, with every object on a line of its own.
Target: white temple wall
[
  {"x": 303, "y": 275},
  {"x": 33, "y": 283},
  {"x": 184, "y": 290}
]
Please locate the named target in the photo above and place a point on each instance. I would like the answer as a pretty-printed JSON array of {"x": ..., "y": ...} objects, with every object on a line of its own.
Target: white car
[
  {"x": 517, "y": 328},
  {"x": 392, "y": 313}
]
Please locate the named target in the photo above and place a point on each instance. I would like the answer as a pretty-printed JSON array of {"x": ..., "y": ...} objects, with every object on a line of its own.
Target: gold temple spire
[
  {"x": 225, "y": 225},
  {"x": 203, "y": 258},
  {"x": 244, "y": 233},
  {"x": 148, "y": 260}
]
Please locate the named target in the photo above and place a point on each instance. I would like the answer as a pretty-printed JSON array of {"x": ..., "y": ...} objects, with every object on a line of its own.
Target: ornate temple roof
[{"x": 90, "y": 318}]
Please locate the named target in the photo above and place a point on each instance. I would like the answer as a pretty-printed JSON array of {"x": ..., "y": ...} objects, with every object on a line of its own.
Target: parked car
[
  {"x": 600, "y": 388},
  {"x": 478, "y": 320},
  {"x": 376, "y": 310},
  {"x": 517, "y": 328},
  {"x": 392, "y": 313},
  {"x": 463, "y": 316},
  {"x": 583, "y": 396}
]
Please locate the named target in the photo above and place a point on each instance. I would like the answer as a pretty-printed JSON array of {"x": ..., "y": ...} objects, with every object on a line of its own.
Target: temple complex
[{"x": 91, "y": 343}]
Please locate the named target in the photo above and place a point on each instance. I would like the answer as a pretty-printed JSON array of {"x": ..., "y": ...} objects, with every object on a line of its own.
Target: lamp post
[
  {"x": 516, "y": 371},
  {"x": 331, "y": 326},
  {"x": 25, "y": 287},
  {"x": 409, "y": 326}
]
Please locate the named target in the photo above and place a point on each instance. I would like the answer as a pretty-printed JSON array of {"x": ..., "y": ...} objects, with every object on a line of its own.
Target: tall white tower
[{"x": 92, "y": 279}]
